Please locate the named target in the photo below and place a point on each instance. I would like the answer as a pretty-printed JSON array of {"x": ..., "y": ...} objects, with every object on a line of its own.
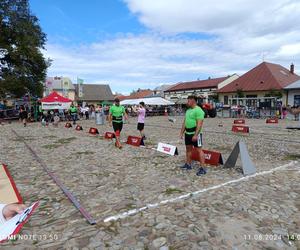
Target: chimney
[{"x": 292, "y": 68}]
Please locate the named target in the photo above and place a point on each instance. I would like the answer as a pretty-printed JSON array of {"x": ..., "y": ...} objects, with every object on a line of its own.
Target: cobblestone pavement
[{"x": 254, "y": 214}]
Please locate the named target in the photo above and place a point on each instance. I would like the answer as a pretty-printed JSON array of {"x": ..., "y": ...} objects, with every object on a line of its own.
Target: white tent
[{"x": 147, "y": 101}]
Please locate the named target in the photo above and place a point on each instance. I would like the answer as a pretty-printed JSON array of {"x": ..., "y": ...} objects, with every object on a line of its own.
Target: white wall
[
  {"x": 291, "y": 94},
  {"x": 227, "y": 81}
]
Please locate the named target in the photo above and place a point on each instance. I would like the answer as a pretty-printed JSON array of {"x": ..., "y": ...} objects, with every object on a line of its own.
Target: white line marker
[{"x": 188, "y": 195}]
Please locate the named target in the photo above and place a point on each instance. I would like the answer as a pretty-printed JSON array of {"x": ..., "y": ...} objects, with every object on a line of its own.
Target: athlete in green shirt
[
  {"x": 192, "y": 131},
  {"x": 116, "y": 113},
  {"x": 73, "y": 112}
]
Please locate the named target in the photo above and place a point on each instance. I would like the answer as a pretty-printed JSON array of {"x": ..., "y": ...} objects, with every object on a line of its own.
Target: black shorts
[
  {"x": 117, "y": 126},
  {"x": 140, "y": 126},
  {"x": 189, "y": 141}
]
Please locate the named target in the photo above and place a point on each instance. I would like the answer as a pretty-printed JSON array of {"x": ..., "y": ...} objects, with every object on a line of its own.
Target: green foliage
[
  {"x": 240, "y": 93},
  {"x": 274, "y": 93},
  {"x": 22, "y": 65}
]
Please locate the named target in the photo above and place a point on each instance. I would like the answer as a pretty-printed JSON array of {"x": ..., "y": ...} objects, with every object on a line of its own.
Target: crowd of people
[{"x": 239, "y": 111}]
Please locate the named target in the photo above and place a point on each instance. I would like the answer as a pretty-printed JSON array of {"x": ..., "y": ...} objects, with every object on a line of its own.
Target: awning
[
  {"x": 181, "y": 101},
  {"x": 55, "y": 101},
  {"x": 148, "y": 101}
]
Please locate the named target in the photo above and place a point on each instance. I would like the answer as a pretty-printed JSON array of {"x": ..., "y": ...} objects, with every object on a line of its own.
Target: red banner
[
  {"x": 240, "y": 129},
  {"x": 109, "y": 135},
  {"x": 213, "y": 158},
  {"x": 272, "y": 120},
  {"x": 135, "y": 141},
  {"x": 93, "y": 131},
  {"x": 239, "y": 121}
]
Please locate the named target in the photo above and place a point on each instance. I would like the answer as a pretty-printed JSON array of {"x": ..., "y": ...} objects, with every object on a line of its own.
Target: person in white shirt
[{"x": 7, "y": 211}]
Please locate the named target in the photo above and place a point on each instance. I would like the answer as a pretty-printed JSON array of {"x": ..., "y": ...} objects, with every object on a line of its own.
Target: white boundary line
[{"x": 188, "y": 195}]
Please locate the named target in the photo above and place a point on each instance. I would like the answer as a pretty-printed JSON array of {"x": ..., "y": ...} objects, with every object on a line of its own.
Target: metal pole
[{"x": 59, "y": 183}]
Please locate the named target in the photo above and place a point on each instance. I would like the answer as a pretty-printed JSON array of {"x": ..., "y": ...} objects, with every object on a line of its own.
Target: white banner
[
  {"x": 55, "y": 105},
  {"x": 167, "y": 149}
]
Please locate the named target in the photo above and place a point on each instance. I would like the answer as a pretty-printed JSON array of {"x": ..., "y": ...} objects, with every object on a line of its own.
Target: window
[
  {"x": 225, "y": 100},
  {"x": 251, "y": 102},
  {"x": 296, "y": 100}
]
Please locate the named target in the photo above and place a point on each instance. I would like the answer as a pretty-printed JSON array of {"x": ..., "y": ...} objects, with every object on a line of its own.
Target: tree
[
  {"x": 22, "y": 65},
  {"x": 274, "y": 93},
  {"x": 240, "y": 93}
]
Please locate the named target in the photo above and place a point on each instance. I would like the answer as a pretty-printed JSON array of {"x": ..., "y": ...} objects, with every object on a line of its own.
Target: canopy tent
[
  {"x": 55, "y": 101},
  {"x": 147, "y": 101}
]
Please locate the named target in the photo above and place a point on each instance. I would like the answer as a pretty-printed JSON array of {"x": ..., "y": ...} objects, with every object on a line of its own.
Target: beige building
[
  {"x": 62, "y": 85},
  {"x": 263, "y": 80},
  {"x": 179, "y": 92}
]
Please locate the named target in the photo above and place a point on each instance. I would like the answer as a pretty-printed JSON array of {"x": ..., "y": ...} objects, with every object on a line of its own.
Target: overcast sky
[{"x": 134, "y": 44}]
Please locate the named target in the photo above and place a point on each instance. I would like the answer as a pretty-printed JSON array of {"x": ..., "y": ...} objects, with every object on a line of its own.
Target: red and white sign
[
  {"x": 213, "y": 158},
  {"x": 135, "y": 141},
  {"x": 93, "y": 131},
  {"x": 109, "y": 135},
  {"x": 68, "y": 125},
  {"x": 240, "y": 129},
  {"x": 272, "y": 120},
  {"x": 167, "y": 149},
  {"x": 13, "y": 226},
  {"x": 78, "y": 128},
  {"x": 239, "y": 121}
]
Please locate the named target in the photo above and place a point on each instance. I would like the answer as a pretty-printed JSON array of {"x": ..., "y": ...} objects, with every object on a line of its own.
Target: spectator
[{"x": 23, "y": 115}]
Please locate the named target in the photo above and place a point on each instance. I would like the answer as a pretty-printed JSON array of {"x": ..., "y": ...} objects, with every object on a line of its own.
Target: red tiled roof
[
  {"x": 265, "y": 76},
  {"x": 201, "y": 84},
  {"x": 140, "y": 94},
  {"x": 121, "y": 97}
]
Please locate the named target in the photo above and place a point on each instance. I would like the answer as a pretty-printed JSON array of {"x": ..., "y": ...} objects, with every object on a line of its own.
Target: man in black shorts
[
  {"x": 141, "y": 119},
  {"x": 116, "y": 113},
  {"x": 192, "y": 131}
]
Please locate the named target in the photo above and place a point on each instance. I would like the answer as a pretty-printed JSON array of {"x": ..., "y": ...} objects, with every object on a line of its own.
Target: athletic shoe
[
  {"x": 186, "y": 166},
  {"x": 201, "y": 171},
  {"x": 118, "y": 145}
]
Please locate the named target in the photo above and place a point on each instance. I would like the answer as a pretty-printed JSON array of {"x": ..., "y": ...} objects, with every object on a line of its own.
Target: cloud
[
  {"x": 134, "y": 61},
  {"x": 233, "y": 36},
  {"x": 216, "y": 16},
  {"x": 145, "y": 61}
]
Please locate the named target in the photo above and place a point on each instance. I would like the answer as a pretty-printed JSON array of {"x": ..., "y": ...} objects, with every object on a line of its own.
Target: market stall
[{"x": 55, "y": 101}]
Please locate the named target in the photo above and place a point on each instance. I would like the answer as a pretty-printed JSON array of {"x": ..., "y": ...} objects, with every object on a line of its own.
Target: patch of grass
[
  {"x": 130, "y": 206},
  {"x": 59, "y": 143},
  {"x": 50, "y": 146},
  {"x": 222, "y": 148},
  {"x": 292, "y": 157},
  {"x": 170, "y": 191},
  {"x": 50, "y": 136},
  {"x": 65, "y": 140},
  {"x": 24, "y": 138},
  {"x": 85, "y": 153},
  {"x": 112, "y": 228}
]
